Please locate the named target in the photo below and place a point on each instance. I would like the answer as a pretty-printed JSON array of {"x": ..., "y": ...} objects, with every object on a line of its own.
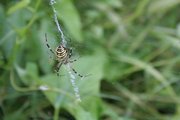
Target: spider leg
[
  {"x": 78, "y": 73},
  {"x": 71, "y": 61},
  {"x": 70, "y": 55},
  {"x": 58, "y": 67},
  {"x": 48, "y": 44},
  {"x": 70, "y": 52}
]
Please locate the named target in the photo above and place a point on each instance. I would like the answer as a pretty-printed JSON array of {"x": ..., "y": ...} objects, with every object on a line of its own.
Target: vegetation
[{"x": 129, "y": 48}]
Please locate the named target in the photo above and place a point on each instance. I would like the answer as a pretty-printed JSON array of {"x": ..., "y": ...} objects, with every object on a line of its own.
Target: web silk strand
[{"x": 68, "y": 67}]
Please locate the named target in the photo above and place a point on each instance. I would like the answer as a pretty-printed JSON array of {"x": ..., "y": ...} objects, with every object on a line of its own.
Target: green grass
[{"x": 130, "y": 48}]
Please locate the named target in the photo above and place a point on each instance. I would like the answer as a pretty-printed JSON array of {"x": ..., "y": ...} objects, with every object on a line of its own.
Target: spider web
[{"x": 68, "y": 65}]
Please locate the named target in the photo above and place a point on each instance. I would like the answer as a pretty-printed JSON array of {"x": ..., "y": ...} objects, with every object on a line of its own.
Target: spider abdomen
[{"x": 61, "y": 53}]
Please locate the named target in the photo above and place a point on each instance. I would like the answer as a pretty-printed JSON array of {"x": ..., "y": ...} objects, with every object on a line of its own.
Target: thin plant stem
[{"x": 56, "y": 113}]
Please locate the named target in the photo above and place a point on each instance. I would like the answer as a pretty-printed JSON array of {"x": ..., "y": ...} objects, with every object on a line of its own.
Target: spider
[{"x": 63, "y": 56}]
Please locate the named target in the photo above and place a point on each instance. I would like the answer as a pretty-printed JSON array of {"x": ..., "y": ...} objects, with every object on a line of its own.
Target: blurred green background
[{"x": 131, "y": 48}]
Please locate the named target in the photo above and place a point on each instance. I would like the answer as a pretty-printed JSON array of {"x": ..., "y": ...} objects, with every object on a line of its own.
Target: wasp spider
[{"x": 62, "y": 55}]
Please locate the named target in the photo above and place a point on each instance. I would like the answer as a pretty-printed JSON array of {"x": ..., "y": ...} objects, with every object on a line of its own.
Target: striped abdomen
[{"x": 61, "y": 53}]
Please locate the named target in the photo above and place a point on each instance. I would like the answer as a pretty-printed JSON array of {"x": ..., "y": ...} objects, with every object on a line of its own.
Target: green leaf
[
  {"x": 61, "y": 92},
  {"x": 29, "y": 75},
  {"x": 59, "y": 89},
  {"x": 177, "y": 115},
  {"x": 18, "y": 6},
  {"x": 80, "y": 113},
  {"x": 114, "y": 3},
  {"x": 162, "y": 5},
  {"x": 94, "y": 67},
  {"x": 32, "y": 69},
  {"x": 69, "y": 15},
  {"x": 89, "y": 86}
]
